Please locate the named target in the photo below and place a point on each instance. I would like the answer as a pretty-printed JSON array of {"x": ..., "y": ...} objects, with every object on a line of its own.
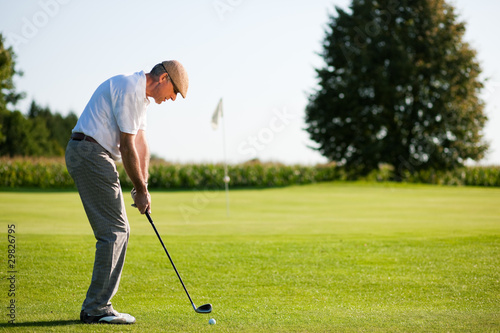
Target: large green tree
[
  {"x": 41, "y": 133},
  {"x": 8, "y": 92},
  {"x": 10, "y": 122},
  {"x": 399, "y": 86}
]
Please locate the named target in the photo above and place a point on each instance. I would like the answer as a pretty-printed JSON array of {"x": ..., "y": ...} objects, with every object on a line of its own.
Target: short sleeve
[{"x": 129, "y": 112}]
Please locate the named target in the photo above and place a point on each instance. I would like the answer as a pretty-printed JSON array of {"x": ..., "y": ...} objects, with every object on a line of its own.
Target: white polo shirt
[{"x": 118, "y": 105}]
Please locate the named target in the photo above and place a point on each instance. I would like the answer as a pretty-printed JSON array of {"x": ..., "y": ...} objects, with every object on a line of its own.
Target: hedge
[
  {"x": 211, "y": 176},
  {"x": 40, "y": 173},
  {"x": 52, "y": 174}
]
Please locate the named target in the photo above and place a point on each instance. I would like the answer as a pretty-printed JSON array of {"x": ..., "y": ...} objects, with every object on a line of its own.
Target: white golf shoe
[{"x": 107, "y": 318}]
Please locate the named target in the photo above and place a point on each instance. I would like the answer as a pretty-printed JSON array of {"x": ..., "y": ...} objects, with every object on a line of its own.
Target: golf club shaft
[{"x": 171, "y": 261}]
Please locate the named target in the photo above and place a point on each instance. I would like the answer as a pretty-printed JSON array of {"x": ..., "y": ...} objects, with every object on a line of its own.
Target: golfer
[{"x": 112, "y": 128}]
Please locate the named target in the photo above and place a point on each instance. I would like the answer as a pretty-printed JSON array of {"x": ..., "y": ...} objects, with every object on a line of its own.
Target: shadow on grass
[{"x": 42, "y": 323}]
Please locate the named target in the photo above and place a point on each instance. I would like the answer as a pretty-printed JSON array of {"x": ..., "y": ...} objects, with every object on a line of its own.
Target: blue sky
[{"x": 259, "y": 56}]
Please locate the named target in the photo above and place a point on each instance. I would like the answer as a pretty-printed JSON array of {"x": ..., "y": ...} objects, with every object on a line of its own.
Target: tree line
[
  {"x": 399, "y": 86},
  {"x": 38, "y": 132}
]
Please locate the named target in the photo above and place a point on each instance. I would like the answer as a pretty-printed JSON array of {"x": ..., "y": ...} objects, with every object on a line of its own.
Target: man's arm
[
  {"x": 142, "y": 147},
  {"x": 135, "y": 157}
]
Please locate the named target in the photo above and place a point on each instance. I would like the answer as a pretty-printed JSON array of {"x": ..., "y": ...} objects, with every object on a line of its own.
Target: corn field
[{"x": 51, "y": 173}]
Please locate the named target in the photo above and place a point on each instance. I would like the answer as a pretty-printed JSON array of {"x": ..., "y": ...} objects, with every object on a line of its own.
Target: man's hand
[{"x": 142, "y": 201}]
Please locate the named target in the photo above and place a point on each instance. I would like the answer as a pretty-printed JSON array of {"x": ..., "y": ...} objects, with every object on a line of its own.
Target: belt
[{"x": 81, "y": 136}]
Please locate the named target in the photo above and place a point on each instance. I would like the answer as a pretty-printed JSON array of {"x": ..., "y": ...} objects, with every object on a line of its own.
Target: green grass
[{"x": 332, "y": 257}]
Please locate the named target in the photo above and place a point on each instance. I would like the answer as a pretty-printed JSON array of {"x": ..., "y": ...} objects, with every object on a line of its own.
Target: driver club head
[{"x": 205, "y": 308}]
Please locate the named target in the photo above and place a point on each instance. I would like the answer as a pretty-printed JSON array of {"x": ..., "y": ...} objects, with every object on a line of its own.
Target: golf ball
[{"x": 212, "y": 321}]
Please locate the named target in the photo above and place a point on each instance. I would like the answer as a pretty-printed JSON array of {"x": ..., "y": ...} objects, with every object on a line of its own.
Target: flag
[{"x": 217, "y": 115}]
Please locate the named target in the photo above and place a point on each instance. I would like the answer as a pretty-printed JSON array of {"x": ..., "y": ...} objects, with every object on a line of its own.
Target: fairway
[{"x": 330, "y": 257}]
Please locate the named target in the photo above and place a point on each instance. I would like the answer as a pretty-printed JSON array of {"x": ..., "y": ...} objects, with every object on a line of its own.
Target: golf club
[{"x": 205, "y": 308}]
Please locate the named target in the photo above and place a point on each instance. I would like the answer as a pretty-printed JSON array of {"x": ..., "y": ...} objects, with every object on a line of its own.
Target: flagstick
[{"x": 226, "y": 177}]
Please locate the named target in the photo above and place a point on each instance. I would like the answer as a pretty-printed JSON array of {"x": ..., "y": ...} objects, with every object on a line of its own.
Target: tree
[
  {"x": 15, "y": 133},
  {"x": 26, "y": 137},
  {"x": 399, "y": 86},
  {"x": 58, "y": 127},
  {"x": 39, "y": 134},
  {"x": 8, "y": 94}
]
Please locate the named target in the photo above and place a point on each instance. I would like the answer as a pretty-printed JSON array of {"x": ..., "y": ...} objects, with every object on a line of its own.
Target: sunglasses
[{"x": 176, "y": 91}]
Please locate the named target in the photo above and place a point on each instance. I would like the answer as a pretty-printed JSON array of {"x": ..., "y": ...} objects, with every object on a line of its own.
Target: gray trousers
[{"x": 96, "y": 178}]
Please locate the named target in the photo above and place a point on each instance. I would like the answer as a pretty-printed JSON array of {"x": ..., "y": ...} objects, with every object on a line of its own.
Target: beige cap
[{"x": 178, "y": 75}]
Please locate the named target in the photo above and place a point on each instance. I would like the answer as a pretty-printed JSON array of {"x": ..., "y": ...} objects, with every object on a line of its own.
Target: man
[{"x": 112, "y": 127}]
